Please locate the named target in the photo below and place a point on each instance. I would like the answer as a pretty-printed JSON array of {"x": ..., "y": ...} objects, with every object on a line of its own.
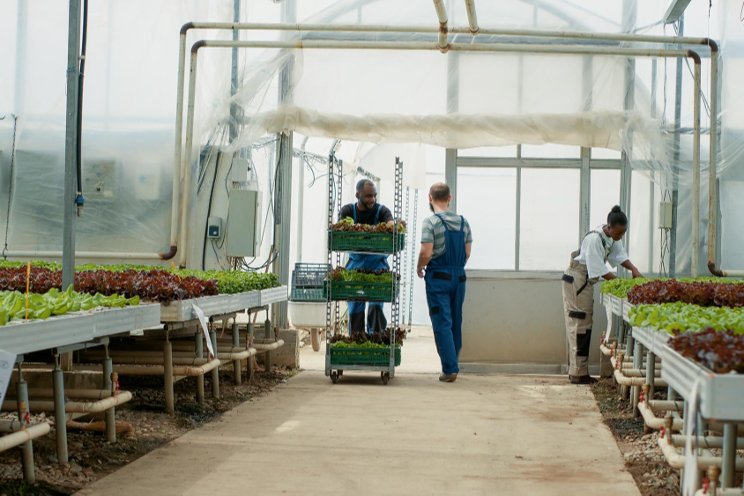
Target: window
[
  {"x": 489, "y": 151},
  {"x": 605, "y": 193},
  {"x": 490, "y": 206},
  {"x": 549, "y": 220},
  {"x": 551, "y": 150},
  {"x": 525, "y": 212}
]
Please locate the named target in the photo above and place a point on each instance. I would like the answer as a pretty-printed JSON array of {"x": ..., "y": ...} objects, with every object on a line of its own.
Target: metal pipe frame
[
  {"x": 488, "y": 48},
  {"x": 472, "y": 17},
  {"x": 176, "y": 226},
  {"x": 442, "y": 16},
  {"x": 27, "y": 451},
  {"x": 60, "y": 419}
]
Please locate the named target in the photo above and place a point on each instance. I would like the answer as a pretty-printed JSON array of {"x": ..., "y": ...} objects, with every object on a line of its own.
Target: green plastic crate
[
  {"x": 308, "y": 294},
  {"x": 360, "y": 291},
  {"x": 363, "y": 356},
  {"x": 365, "y": 242}
]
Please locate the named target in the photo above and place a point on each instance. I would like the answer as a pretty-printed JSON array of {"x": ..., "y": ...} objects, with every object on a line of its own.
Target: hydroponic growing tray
[
  {"x": 21, "y": 337},
  {"x": 721, "y": 395},
  {"x": 273, "y": 295},
  {"x": 182, "y": 310},
  {"x": 653, "y": 340}
]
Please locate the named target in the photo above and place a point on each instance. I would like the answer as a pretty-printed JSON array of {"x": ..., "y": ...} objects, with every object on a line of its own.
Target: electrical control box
[
  {"x": 243, "y": 223},
  {"x": 214, "y": 228},
  {"x": 665, "y": 215}
]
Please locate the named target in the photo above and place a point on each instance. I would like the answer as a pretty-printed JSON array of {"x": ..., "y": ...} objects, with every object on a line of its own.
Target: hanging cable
[{"x": 79, "y": 199}]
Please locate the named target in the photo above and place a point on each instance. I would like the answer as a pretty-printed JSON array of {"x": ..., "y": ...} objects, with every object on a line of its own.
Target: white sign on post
[
  {"x": 7, "y": 360},
  {"x": 205, "y": 328}
]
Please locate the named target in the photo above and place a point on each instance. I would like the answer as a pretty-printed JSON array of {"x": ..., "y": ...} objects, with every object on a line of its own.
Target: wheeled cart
[{"x": 380, "y": 359}]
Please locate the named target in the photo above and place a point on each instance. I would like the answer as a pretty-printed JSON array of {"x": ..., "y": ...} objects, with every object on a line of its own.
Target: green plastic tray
[
  {"x": 365, "y": 242},
  {"x": 360, "y": 291},
  {"x": 363, "y": 356}
]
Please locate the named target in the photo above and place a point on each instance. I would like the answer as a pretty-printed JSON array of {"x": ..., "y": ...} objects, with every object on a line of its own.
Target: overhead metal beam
[{"x": 675, "y": 11}]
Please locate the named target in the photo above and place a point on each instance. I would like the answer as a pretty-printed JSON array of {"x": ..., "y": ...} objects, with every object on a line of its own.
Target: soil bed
[
  {"x": 148, "y": 427},
  {"x": 643, "y": 458}
]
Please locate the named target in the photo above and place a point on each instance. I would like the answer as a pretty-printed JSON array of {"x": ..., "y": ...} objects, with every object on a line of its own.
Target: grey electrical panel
[{"x": 243, "y": 223}]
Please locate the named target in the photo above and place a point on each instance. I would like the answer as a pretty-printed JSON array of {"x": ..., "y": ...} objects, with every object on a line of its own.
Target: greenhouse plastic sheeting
[{"x": 130, "y": 105}]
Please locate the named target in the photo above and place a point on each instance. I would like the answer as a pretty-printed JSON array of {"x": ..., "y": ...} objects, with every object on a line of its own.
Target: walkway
[{"x": 484, "y": 435}]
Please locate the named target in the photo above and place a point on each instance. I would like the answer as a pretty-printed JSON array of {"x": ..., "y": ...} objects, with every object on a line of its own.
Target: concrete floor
[{"x": 486, "y": 435}]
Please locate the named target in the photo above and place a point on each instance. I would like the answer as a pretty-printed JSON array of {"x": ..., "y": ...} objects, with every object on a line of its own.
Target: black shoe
[
  {"x": 582, "y": 379},
  {"x": 448, "y": 377}
]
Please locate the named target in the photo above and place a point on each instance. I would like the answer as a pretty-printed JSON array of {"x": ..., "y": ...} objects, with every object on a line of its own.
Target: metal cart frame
[{"x": 335, "y": 188}]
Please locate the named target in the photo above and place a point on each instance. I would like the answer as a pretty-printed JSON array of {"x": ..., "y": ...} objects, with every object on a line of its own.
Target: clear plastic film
[{"x": 380, "y": 103}]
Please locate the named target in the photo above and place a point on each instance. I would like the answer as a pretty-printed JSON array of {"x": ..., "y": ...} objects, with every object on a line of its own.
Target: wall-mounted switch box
[
  {"x": 214, "y": 228},
  {"x": 665, "y": 215}
]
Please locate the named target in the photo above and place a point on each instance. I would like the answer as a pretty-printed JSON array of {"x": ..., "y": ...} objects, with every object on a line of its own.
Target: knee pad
[{"x": 582, "y": 343}]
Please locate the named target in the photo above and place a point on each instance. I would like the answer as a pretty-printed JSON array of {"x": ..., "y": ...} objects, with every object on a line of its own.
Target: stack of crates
[{"x": 307, "y": 282}]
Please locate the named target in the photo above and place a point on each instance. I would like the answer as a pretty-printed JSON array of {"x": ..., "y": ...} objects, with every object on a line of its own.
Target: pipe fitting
[
  {"x": 169, "y": 254},
  {"x": 186, "y": 27}
]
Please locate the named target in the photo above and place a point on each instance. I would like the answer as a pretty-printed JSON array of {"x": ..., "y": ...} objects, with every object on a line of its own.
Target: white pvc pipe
[
  {"x": 83, "y": 254},
  {"x": 260, "y": 348},
  {"x": 707, "y": 442},
  {"x": 654, "y": 422},
  {"x": 472, "y": 17},
  {"x": 476, "y": 47},
  {"x": 694, "y": 271},
  {"x": 77, "y": 406},
  {"x": 442, "y": 16},
  {"x": 677, "y": 461},
  {"x": 17, "y": 438},
  {"x": 180, "y": 371},
  {"x": 634, "y": 381},
  {"x": 720, "y": 492},
  {"x": 178, "y": 169}
]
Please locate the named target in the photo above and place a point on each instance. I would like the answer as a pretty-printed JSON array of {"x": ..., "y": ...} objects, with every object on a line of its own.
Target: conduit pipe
[
  {"x": 720, "y": 492},
  {"x": 442, "y": 16},
  {"x": 20, "y": 437},
  {"x": 261, "y": 348},
  {"x": 76, "y": 406},
  {"x": 177, "y": 232},
  {"x": 694, "y": 271},
  {"x": 654, "y": 422},
  {"x": 707, "y": 442},
  {"x": 677, "y": 461},
  {"x": 472, "y": 17},
  {"x": 180, "y": 371},
  {"x": 634, "y": 381},
  {"x": 83, "y": 254},
  {"x": 94, "y": 394},
  {"x": 179, "y": 358},
  {"x": 475, "y": 47}
]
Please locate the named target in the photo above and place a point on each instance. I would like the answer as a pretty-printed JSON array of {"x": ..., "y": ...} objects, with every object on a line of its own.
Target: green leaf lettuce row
[
  {"x": 671, "y": 317},
  {"x": 55, "y": 302}
]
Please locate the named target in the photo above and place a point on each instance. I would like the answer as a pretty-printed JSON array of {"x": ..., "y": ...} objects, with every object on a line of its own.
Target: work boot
[
  {"x": 448, "y": 377},
  {"x": 581, "y": 379}
]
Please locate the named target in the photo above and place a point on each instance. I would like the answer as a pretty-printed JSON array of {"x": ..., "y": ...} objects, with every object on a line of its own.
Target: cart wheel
[
  {"x": 334, "y": 377},
  {"x": 385, "y": 376},
  {"x": 340, "y": 373}
]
